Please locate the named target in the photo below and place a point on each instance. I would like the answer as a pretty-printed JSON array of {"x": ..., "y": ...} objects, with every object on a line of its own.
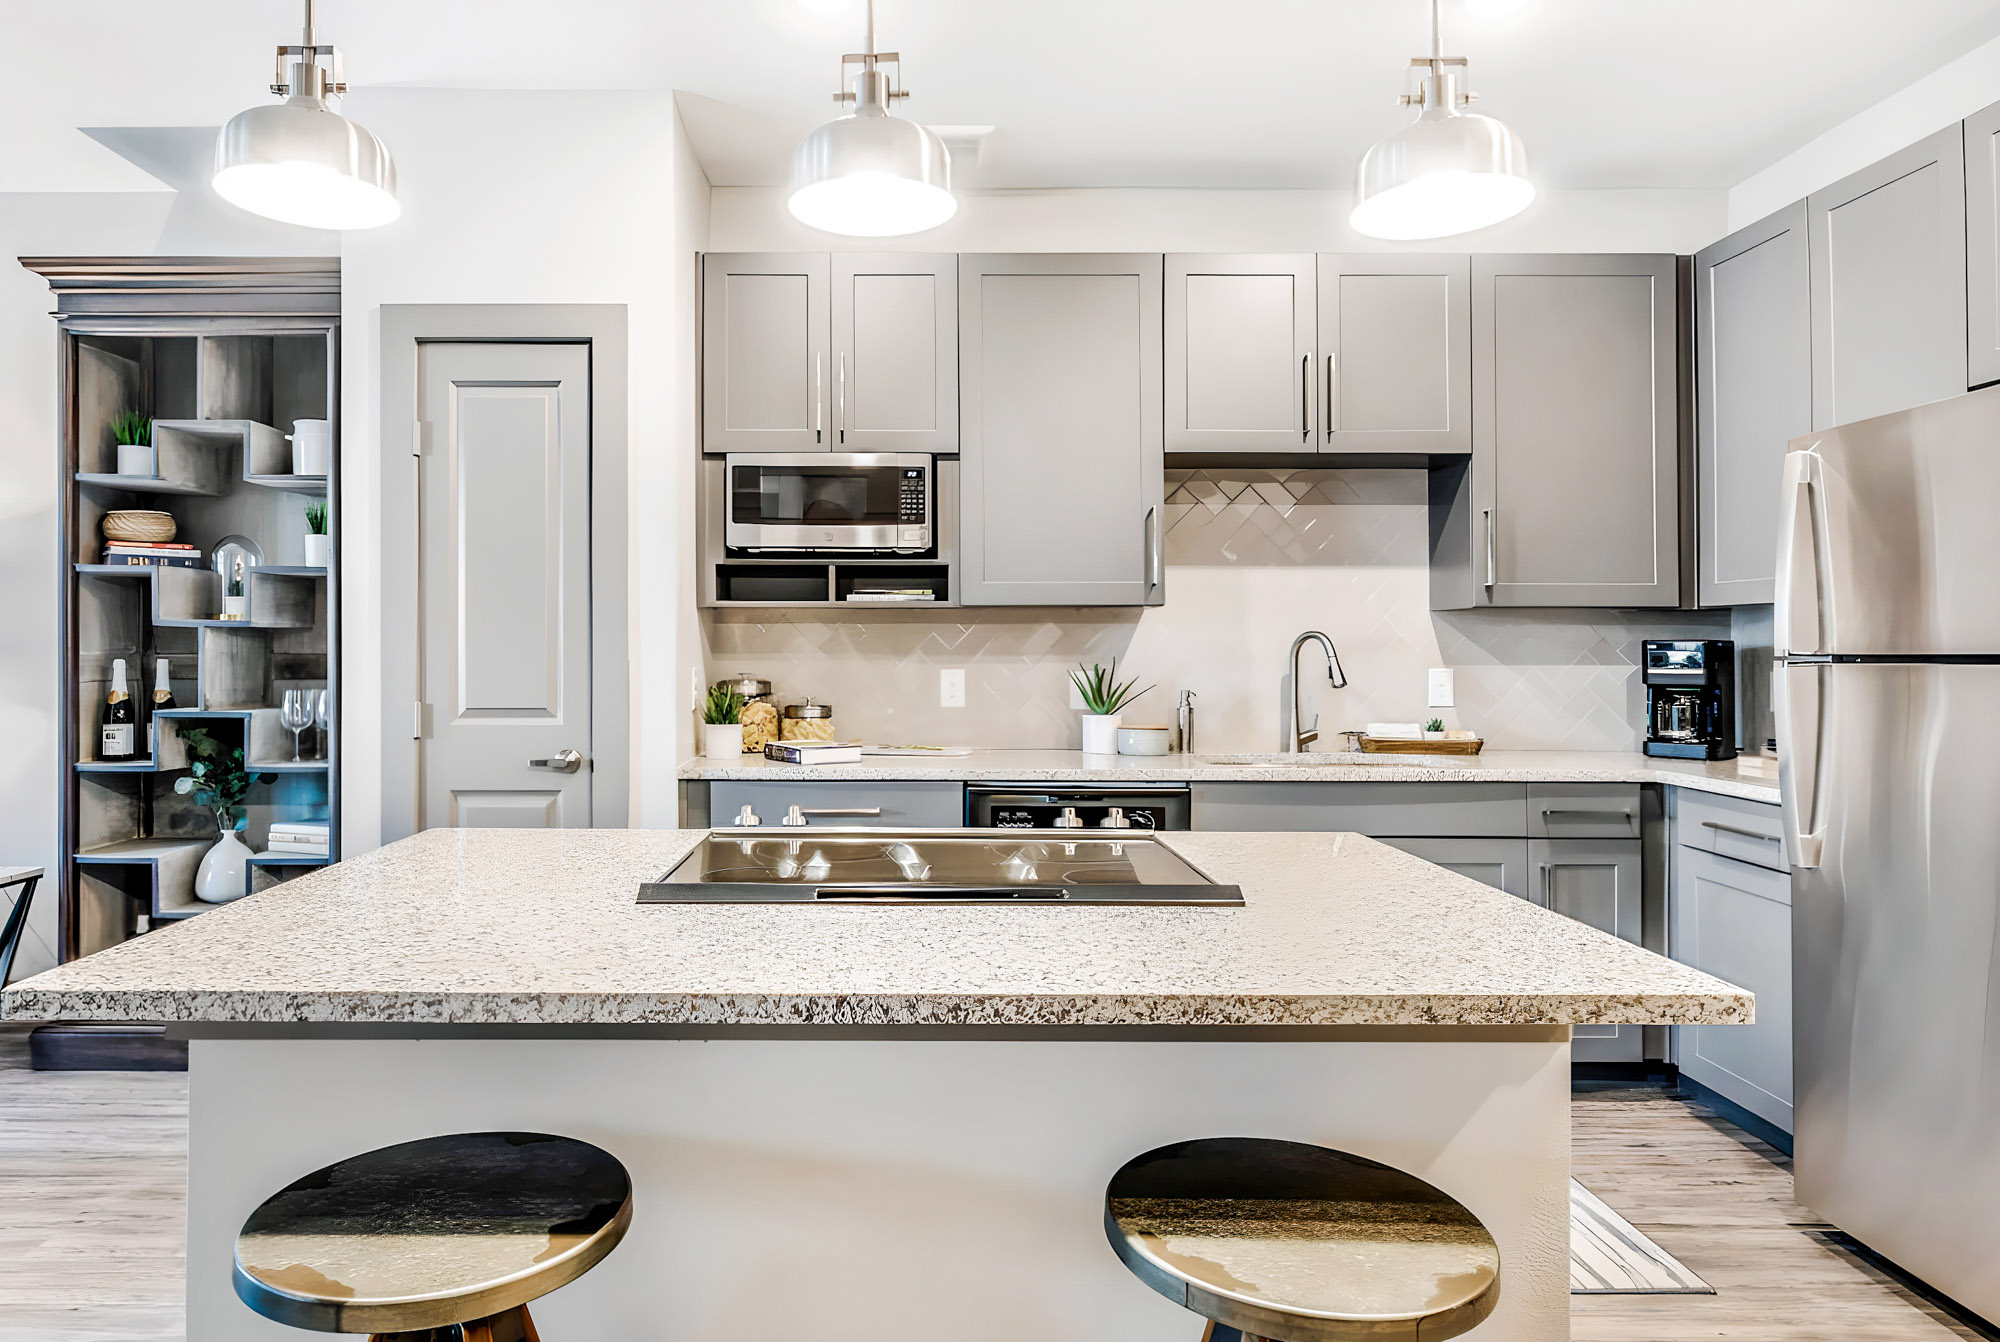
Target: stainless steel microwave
[{"x": 810, "y": 502}]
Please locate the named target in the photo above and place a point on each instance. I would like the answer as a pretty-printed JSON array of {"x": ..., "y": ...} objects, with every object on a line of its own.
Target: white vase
[
  {"x": 223, "y": 873},
  {"x": 1100, "y": 733},
  {"x": 319, "y": 549},
  {"x": 722, "y": 740}
]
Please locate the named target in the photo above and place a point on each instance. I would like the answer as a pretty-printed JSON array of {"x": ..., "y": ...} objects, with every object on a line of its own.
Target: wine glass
[
  {"x": 319, "y": 720},
  {"x": 295, "y": 714}
]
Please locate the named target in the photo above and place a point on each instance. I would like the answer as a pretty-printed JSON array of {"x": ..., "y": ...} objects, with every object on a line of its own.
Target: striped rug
[{"x": 1608, "y": 1257}]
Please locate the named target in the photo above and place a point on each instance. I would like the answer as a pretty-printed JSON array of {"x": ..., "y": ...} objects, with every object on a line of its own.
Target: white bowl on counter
[{"x": 1144, "y": 740}]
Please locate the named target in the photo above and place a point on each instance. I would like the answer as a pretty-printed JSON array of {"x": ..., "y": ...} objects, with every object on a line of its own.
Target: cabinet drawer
[
  {"x": 1583, "y": 810},
  {"x": 1442, "y": 810},
  {"x": 1749, "y": 831},
  {"x": 902, "y": 805}
]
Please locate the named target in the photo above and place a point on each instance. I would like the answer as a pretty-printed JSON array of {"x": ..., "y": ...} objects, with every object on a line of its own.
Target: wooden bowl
[{"x": 138, "y": 524}]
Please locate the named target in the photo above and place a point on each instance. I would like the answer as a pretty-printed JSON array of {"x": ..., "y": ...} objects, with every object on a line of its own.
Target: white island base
[{"x": 891, "y": 1190}]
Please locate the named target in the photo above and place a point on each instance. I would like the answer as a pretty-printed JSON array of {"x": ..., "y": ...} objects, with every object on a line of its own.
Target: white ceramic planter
[
  {"x": 1100, "y": 733},
  {"x": 319, "y": 550},
  {"x": 236, "y": 607},
  {"x": 722, "y": 740},
  {"x": 222, "y": 875},
  {"x": 135, "y": 459},
  {"x": 1434, "y": 736}
]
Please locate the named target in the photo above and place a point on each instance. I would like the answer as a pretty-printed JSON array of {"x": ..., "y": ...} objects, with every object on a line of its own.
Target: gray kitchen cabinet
[
  {"x": 765, "y": 349},
  {"x": 1595, "y": 881},
  {"x": 1584, "y": 810},
  {"x": 1240, "y": 372},
  {"x": 1395, "y": 340},
  {"x": 1982, "y": 247},
  {"x": 1570, "y": 496},
  {"x": 1888, "y": 252},
  {"x": 883, "y": 805},
  {"x": 1753, "y": 395},
  {"x": 1733, "y": 919},
  {"x": 1435, "y": 810},
  {"x": 894, "y": 355},
  {"x": 1500, "y": 863},
  {"x": 1063, "y": 470}
]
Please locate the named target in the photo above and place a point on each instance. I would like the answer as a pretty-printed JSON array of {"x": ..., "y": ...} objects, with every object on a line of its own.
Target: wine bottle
[
  {"x": 121, "y": 726},
  {"x": 163, "y": 692}
]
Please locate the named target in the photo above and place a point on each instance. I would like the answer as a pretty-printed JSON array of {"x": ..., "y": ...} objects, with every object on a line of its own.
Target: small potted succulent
[
  {"x": 722, "y": 723},
  {"x": 319, "y": 545},
  {"x": 1434, "y": 730},
  {"x": 218, "y": 782},
  {"x": 1103, "y": 699},
  {"x": 134, "y": 434}
]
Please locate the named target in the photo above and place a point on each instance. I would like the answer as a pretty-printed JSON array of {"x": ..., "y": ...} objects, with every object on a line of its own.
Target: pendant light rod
[
  {"x": 871, "y": 27},
  {"x": 1437, "y": 29},
  {"x": 311, "y": 27}
]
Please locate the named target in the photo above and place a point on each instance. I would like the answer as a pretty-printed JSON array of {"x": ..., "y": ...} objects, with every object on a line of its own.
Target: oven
[{"x": 830, "y": 502}]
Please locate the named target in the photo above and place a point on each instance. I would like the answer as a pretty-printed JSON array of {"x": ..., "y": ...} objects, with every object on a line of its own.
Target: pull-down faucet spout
[{"x": 1303, "y": 736}]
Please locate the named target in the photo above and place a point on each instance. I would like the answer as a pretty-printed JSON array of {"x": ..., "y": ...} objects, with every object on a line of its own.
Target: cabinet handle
[
  {"x": 796, "y": 817},
  {"x": 819, "y": 402},
  {"x": 1543, "y": 868},
  {"x": 1332, "y": 396},
  {"x": 1306, "y": 398},
  {"x": 1488, "y": 514},
  {"x": 842, "y": 384},
  {"x": 1152, "y": 542},
  {"x": 1623, "y": 817},
  {"x": 1740, "y": 832}
]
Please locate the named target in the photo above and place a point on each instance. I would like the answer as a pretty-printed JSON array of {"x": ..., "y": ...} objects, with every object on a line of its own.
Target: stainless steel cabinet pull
[
  {"x": 1332, "y": 396},
  {"x": 1488, "y": 514},
  {"x": 1306, "y": 398},
  {"x": 1744, "y": 833},
  {"x": 842, "y": 396},
  {"x": 1152, "y": 543},
  {"x": 564, "y": 762},
  {"x": 819, "y": 402},
  {"x": 1622, "y": 817},
  {"x": 797, "y": 815}
]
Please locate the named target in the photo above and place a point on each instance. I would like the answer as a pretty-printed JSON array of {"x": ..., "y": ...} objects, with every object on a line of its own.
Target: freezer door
[
  {"x": 1888, "y": 540},
  {"x": 1896, "y": 971}
]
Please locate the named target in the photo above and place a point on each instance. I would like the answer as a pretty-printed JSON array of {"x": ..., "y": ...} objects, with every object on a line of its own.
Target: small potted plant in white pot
[
  {"x": 134, "y": 433},
  {"x": 319, "y": 545},
  {"x": 1434, "y": 730},
  {"x": 1103, "y": 698},
  {"x": 722, "y": 724}
]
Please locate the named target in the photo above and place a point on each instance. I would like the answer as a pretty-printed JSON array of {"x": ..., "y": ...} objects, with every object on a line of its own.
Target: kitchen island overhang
[{"x": 873, "y": 1120}]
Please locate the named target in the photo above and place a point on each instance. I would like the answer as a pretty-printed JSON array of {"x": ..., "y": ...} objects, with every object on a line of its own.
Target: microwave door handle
[
  {"x": 1796, "y": 699},
  {"x": 1798, "y": 599}
]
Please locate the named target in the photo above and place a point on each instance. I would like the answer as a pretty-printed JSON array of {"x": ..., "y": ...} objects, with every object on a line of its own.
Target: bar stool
[
  {"x": 1298, "y": 1243},
  {"x": 440, "y": 1240}
]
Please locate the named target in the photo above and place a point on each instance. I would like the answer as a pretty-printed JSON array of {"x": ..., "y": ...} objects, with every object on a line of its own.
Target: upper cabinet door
[
  {"x": 1395, "y": 336},
  {"x": 1753, "y": 395},
  {"x": 895, "y": 352},
  {"x": 1062, "y": 470},
  {"x": 1239, "y": 337},
  {"x": 765, "y": 374},
  {"x": 1982, "y": 247},
  {"x": 1888, "y": 284},
  {"x": 1575, "y": 463}
]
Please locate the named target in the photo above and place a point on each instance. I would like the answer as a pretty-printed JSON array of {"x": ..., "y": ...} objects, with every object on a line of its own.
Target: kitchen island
[{"x": 880, "y": 1121}]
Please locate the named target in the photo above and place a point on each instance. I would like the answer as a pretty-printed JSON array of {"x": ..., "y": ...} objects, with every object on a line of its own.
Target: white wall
[
  {"x": 533, "y": 197},
  {"x": 1950, "y": 93}
]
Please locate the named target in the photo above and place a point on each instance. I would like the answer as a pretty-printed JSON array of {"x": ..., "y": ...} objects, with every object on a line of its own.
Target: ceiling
[{"x": 1691, "y": 94}]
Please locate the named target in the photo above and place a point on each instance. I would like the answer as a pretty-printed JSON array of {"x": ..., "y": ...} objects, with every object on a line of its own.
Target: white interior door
[{"x": 504, "y": 559}]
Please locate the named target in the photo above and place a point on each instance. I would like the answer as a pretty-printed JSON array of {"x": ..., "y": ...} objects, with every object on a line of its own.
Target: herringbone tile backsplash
[{"x": 1254, "y": 557}]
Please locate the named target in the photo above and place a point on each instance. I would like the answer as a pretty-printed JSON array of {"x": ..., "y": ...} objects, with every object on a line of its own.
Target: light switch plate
[
  {"x": 1076, "y": 697},
  {"x": 1441, "y": 696},
  {"x": 951, "y": 688}
]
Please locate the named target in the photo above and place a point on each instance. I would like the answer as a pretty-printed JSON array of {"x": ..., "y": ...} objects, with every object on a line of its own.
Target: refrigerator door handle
[
  {"x": 1797, "y": 701},
  {"x": 1796, "y": 613}
]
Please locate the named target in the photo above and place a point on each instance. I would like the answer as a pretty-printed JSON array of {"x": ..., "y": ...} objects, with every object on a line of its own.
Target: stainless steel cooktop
[{"x": 933, "y": 867}]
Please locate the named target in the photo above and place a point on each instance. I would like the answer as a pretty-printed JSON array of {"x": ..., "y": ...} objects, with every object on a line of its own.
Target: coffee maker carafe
[{"x": 1690, "y": 698}]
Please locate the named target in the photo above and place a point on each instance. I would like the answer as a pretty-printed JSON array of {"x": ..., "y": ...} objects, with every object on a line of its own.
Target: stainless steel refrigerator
[{"x": 1887, "y": 639}]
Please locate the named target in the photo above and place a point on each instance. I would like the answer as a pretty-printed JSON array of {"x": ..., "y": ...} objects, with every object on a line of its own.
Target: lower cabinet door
[
  {"x": 1734, "y": 920},
  {"x": 1500, "y": 863},
  {"x": 1595, "y": 881}
]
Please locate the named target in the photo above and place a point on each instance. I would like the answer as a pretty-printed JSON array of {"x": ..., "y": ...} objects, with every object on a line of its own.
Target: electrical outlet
[
  {"x": 1441, "y": 696},
  {"x": 951, "y": 688}
]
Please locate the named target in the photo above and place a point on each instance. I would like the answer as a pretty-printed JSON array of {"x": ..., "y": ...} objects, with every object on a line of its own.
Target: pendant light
[
  {"x": 1450, "y": 171},
  {"x": 871, "y": 174},
  {"x": 301, "y": 162}
]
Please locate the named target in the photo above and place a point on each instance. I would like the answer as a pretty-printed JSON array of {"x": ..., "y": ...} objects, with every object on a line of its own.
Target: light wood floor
[{"x": 93, "y": 1171}]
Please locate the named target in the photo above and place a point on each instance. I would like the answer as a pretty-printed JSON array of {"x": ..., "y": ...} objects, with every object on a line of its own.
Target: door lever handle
[{"x": 564, "y": 762}]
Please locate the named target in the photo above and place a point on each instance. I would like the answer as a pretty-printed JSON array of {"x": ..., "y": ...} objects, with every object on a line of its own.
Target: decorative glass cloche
[{"x": 232, "y": 560}]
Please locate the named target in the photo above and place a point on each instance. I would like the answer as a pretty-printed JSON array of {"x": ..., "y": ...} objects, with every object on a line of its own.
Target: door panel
[
  {"x": 1594, "y": 881},
  {"x": 504, "y": 582},
  {"x": 1888, "y": 283},
  {"x": 1982, "y": 247},
  {"x": 1500, "y": 863},
  {"x": 766, "y": 379},
  {"x": 1396, "y": 344},
  {"x": 895, "y": 352},
  {"x": 1239, "y": 350},
  {"x": 1734, "y": 920}
]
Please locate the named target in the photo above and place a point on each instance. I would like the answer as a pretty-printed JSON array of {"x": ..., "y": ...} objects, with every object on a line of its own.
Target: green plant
[
  {"x": 1434, "y": 725},
  {"x": 131, "y": 427},
  {"x": 316, "y": 517},
  {"x": 1102, "y": 694},
  {"x": 216, "y": 778},
  {"x": 724, "y": 706}
]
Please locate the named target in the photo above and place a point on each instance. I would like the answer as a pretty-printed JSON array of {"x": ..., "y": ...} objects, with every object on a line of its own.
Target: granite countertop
[
  {"x": 1751, "y": 777},
  {"x": 542, "y": 927}
]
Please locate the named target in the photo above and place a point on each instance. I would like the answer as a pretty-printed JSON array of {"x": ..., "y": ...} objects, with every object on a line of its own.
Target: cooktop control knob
[
  {"x": 1069, "y": 819},
  {"x": 1114, "y": 819}
]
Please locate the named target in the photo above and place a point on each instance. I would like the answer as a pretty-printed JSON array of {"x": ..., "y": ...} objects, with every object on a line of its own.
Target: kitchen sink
[{"x": 1328, "y": 760}]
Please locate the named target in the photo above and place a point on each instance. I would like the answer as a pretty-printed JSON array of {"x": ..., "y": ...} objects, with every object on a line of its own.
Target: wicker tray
[{"x": 1379, "y": 745}]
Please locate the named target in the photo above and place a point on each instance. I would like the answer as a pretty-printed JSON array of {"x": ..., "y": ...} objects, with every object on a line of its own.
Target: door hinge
[
  {"x": 417, "y": 438},
  {"x": 418, "y": 719}
]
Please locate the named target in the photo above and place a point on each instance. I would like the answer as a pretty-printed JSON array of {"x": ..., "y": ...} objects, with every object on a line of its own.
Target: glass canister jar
[
  {"x": 760, "y": 711},
  {"x": 808, "y": 721}
]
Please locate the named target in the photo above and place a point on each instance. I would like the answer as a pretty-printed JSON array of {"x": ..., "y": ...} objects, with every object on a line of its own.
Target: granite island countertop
[
  {"x": 542, "y": 928},
  {"x": 1751, "y": 777}
]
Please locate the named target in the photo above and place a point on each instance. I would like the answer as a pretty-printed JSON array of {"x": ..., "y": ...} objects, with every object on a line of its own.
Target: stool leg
[
  {"x": 509, "y": 1325},
  {"x": 1222, "y": 1332}
]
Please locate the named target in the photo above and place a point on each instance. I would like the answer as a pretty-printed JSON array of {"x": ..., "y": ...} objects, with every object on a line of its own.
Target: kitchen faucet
[{"x": 1304, "y": 736}]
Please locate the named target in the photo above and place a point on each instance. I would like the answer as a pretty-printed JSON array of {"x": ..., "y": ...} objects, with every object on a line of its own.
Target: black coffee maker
[{"x": 1691, "y": 698}]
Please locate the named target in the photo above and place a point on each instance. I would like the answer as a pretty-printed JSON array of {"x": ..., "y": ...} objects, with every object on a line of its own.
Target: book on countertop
[
  {"x": 299, "y": 831},
  {"x": 298, "y": 849},
  {"x": 813, "y": 752}
]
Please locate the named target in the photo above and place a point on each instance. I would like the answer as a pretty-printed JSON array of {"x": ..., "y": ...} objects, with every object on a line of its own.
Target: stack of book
[
  {"x": 166, "y": 554},
  {"x": 813, "y": 752},
  {"x": 301, "y": 838}
]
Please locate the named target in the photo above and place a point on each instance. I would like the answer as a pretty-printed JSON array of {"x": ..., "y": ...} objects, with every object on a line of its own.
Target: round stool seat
[
  {"x": 1295, "y": 1242},
  {"x": 432, "y": 1233}
]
